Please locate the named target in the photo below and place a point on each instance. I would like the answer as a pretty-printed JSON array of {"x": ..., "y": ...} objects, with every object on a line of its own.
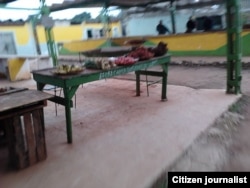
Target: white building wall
[{"x": 145, "y": 24}]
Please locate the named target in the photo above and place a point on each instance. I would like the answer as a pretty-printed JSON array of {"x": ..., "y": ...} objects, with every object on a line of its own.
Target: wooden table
[
  {"x": 70, "y": 83},
  {"x": 21, "y": 114}
]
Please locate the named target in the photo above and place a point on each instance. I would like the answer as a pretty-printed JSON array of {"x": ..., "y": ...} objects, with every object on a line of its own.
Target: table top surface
[
  {"x": 50, "y": 71},
  {"x": 108, "y": 51},
  {"x": 22, "y": 98}
]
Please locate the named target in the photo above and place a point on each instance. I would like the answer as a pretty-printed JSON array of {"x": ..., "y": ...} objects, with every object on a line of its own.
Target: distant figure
[
  {"x": 162, "y": 29},
  {"x": 190, "y": 25},
  {"x": 207, "y": 24}
]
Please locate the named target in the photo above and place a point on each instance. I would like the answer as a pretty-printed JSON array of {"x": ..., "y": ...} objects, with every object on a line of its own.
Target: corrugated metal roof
[
  {"x": 131, "y": 3},
  {"x": 180, "y": 4}
]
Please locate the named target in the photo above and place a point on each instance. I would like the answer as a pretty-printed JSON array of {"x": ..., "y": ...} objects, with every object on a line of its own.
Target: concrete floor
[{"x": 119, "y": 140}]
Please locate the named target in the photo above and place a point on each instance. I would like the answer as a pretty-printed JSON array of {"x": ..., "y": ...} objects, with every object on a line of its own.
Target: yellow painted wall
[
  {"x": 178, "y": 42},
  {"x": 19, "y": 69},
  {"x": 21, "y": 33},
  {"x": 76, "y": 46},
  {"x": 41, "y": 34},
  {"x": 182, "y": 42},
  {"x": 72, "y": 37},
  {"x": 61, "y": 33},
  {"x": 68, "y": 33},
  {"x": 199, "y": 41}
]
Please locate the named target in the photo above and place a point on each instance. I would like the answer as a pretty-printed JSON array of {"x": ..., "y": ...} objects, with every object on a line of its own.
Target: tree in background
[{"x": 78, "y": 19}]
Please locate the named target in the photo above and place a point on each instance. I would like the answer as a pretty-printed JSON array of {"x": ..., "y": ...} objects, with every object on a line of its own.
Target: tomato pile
[
  {"x": 125, "y": 60},
  {"x": 141, "y": 53}
]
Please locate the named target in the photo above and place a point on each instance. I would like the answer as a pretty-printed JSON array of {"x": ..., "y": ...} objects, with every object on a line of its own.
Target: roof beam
[
  {"x": 200, "y": 4},
  {"x": 6, "y": 1},
  {"x": 77, "y": 4},
  {"x": 101, "y": 3}
]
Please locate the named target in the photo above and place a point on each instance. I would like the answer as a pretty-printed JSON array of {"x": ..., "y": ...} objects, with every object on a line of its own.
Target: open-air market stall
[
  {"x": 69, "y": 81},
  {"x": 70, "y": 85},
  {"x": 233, "y": 17},
  {"x": 234, "y": 27}
]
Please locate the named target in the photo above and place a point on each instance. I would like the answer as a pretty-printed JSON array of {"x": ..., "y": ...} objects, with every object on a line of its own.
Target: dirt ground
[
  {"x": 235, "y": 143},
  {"x": 225, "y": 146}
]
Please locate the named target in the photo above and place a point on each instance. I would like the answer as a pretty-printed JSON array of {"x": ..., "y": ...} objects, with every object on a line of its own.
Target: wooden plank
[
  {"x": 30, "y": 139},
  {"x": 38, "y": 121},
  {"x": 22, "y": 99},
  {"x": 21, "y": 158},
  {"x": 19, "y": 111},
  {"x": 8, "y": 123},
  {"x": 10, "y": 90}
]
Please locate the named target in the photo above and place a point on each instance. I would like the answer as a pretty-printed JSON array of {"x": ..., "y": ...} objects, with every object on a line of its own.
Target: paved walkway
[{"x": 119, "y": 140}]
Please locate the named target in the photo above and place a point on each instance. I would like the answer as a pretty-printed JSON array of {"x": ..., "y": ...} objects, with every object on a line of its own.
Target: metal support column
[
  {"x": 106, "y": 24},
  {"x": 172, "y": 12},
  {"x": 234, "y": 48},
  {"x": 51, "y": 45},
  {"x": 48, "y": 24}
]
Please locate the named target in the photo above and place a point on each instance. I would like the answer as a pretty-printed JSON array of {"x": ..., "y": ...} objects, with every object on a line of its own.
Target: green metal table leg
[
  {"x": 69, "y": 92},
  {"x": 137, "y": 83},
  {"x": 66, "y": 92},
  {"x": 162, "y": 74},
  {"x": 164, "y": 87},
  {"x": 164, "y": 82},
  {"x": 40, "y": 86},
  {"x": 68, "y": 121}
]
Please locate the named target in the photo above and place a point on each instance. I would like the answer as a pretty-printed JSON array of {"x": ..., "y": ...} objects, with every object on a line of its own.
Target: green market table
[{"x": 70, "y": 83}]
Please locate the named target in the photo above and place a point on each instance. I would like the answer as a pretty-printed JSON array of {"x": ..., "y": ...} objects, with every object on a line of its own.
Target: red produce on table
[
  {"x": 141, "y": 53},
  {"x": 125, "y": 60}
]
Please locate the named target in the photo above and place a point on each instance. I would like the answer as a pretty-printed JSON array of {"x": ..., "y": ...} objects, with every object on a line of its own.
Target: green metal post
[
  {"x": 172, "y": 12},
  {"x": 45, "y": 11},
  {"x": 51, "y": 45},
  {"x": 137, "y": 73},
  {"x": 106, "y": 24},
  {"x": 234, "y": 47}
]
